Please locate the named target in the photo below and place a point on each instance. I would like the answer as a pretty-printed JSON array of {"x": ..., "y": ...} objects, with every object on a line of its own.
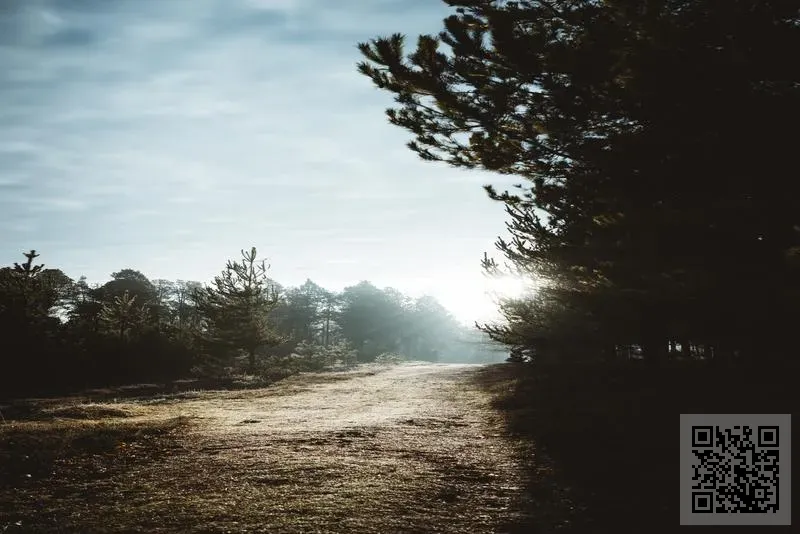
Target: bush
[
  {"x": 309, "y": 357},
  {"x": 391, "y": 358},
  {"x": 341, "y": 354}
]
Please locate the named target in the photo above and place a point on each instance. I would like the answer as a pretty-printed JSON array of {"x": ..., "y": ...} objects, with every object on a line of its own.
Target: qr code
[{"x": 736, "y": 469}]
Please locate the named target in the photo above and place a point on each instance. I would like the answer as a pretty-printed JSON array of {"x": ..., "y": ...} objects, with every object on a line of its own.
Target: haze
[{"x": 166, "y": 136}]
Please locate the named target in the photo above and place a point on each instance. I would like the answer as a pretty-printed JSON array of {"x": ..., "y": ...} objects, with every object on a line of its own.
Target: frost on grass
[{"x": 407, "y": 447}]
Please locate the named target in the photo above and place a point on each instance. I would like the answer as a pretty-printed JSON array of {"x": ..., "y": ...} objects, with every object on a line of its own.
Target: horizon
[{"x": 166, "y": 137}]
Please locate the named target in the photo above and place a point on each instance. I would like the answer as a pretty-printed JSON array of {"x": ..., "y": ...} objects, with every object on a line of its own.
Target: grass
[
  {"x": 47, "y": 467},
  {"x": 237, "y": 464},
  {"x": 608, "y": 435},
  {"x": 598, "y": 446}
]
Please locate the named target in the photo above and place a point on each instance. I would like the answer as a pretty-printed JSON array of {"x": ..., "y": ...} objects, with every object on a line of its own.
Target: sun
[
  {"x": 507, "y": 286},
  {"x": 475, "y": 298}
]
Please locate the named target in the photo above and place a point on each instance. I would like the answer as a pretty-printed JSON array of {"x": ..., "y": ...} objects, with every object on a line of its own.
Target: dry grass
[
  {"x": 93, "y": 411},
  {"x": 407, "y": 448},
  {"x": 49, "y": 467}
]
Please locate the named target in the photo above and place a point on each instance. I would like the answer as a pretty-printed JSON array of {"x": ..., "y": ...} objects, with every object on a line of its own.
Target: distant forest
[{"x": 60, "y": 334}]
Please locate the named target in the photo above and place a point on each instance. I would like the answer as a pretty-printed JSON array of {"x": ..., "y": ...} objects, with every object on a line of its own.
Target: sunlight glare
[
  {"x": 475, "y": 298},
  {"x": 507, "y": 286}
]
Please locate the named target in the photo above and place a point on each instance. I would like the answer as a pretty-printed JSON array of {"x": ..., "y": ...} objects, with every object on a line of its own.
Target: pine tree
[
  {"x": 28, "y": 292},
  {"x": 644, "y": 199},
  {"x": 123, "y": 315},
  {"x": 236, "y": 308}
]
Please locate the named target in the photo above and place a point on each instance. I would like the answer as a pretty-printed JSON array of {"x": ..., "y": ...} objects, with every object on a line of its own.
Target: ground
[
  {"x": 611, "y": 431},
  {"x": 407, "y": 448}
]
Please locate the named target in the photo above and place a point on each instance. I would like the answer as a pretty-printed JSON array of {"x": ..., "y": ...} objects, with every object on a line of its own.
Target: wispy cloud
[{"x": 168, "y": 135}]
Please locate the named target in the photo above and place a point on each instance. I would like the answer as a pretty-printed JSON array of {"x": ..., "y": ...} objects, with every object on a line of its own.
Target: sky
[{"x": 167, "y": 135}]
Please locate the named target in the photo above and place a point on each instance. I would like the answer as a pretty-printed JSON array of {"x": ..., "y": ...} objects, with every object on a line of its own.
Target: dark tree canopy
[
  {"x": 653, "y": 136},
  {"x": 131, "y": 281}
]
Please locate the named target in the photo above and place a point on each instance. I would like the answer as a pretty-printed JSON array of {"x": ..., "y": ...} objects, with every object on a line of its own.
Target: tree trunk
[
  {"x": 327, "y": 325},
  {"x": 251, "y": 360}
]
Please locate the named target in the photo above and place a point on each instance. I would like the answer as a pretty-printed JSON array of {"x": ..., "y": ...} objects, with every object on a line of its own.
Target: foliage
[
  {"x": 132, "y": 329},
  {"x": 389, "y": 358},
  {"x": 123, "y": 315},
  {"x": 304, "y": 313},
  {"x": 310, "y": 357},
  {"x": 236, "y": 309},
  {"x": 618, "y": 118},
  {"x": 380, "y": 321},
  {"x": 366, "y": 317}
]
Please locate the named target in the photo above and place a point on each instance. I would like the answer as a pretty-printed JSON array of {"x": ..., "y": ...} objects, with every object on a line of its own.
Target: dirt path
[{"x": 411, "y": 448}]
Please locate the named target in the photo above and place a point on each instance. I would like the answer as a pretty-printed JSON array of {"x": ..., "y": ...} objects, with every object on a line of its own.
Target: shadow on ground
[{"x": 611, "y": 433}]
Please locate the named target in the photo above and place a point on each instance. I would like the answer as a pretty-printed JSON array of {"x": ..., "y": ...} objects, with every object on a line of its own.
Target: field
[
  {"x": 403, "y": 448},
  {"x": 376, "y": 449}
]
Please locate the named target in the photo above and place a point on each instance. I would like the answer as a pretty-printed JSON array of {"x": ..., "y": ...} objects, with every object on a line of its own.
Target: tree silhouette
[{"x": 644, "y": 201}]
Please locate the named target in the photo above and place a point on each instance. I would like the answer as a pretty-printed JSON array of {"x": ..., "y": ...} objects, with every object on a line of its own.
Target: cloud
[
  {"x": 56, "y": 204},
  {"x": 166, "y": 135}
]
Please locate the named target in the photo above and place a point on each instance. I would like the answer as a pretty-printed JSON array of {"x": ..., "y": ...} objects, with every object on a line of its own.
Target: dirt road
[{"x": 409, "y": 448}]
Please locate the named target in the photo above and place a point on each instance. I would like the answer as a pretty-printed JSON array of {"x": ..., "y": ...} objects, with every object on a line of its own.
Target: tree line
[
  {"x": 60, "y": 334},
  {"x": 658, "y": 205}
]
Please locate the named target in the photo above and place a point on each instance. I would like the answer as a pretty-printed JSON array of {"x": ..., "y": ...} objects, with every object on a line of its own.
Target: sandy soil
[{"x": 409, "y": 448}]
